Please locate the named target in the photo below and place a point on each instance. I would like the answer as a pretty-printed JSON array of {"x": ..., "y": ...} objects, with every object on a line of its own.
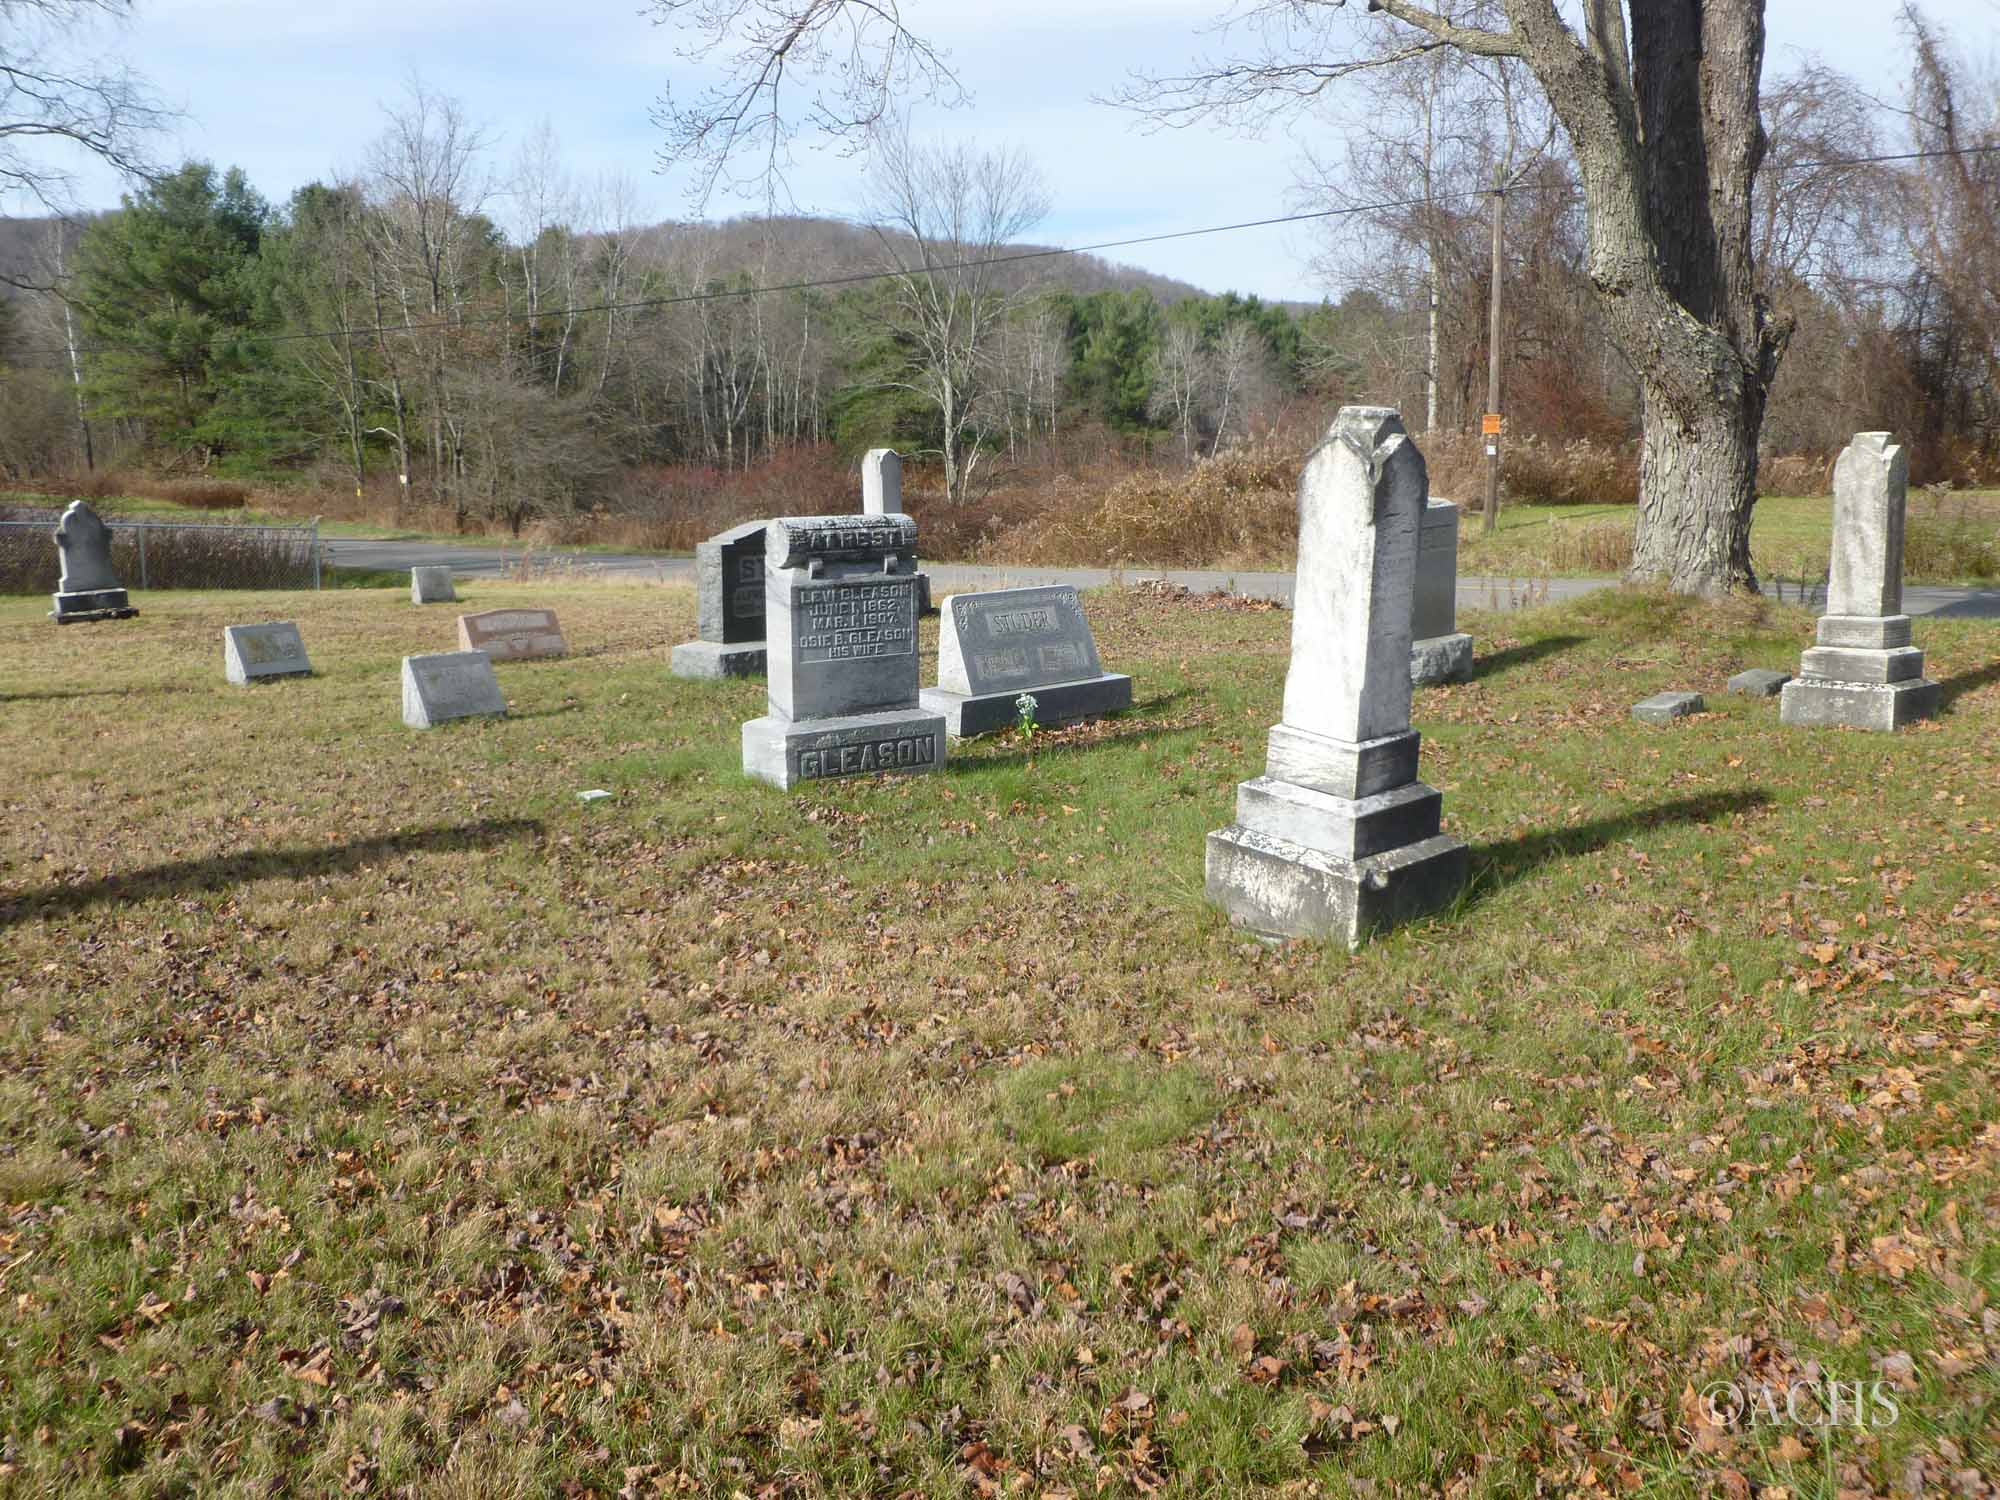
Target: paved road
[{"x": 946, "y": 578}]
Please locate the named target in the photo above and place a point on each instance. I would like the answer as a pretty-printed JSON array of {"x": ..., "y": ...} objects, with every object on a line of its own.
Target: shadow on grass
[
  {"x": 221, "y": 872},
  {"x": 106, "y": 692},
  {"x": 1957, "y": 687},
  {"x": 1047, "y": 748},
  {"x": 1497, "y": 865},
  {"x": 1518, "y": 656}
]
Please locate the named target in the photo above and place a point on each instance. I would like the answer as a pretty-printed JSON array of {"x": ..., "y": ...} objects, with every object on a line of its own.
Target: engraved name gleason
[
  {"x": 796, "y": 540},
  {"x": 849, "y": 760}
]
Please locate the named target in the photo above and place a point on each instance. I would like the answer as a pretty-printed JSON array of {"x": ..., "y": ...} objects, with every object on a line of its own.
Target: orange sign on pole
[{"x": 1489, "y": 424}]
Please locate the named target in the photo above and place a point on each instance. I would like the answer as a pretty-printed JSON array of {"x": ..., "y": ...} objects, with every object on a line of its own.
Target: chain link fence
[{"x": 165, "y": 554}]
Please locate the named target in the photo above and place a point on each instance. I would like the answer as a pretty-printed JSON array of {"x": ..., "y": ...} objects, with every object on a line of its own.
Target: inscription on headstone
[
  {"x": 512, "y": 634},
  {"x": 87, "y": 589},
  {"x": 729, "y": 606},
  {"x": 1338, "y": 837},
  {"x": 841, "y": 613},
  {"x": 250, "y": 652},
  {"x": 992, "y": 647},
  {"x": 449, "y": 685}
]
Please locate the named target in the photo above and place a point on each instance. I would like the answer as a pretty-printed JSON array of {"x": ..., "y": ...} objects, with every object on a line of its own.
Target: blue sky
[{"x": 294, "y": 91}]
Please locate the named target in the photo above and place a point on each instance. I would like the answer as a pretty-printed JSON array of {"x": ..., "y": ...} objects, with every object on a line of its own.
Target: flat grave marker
[
  {"x": 513, "y": 634},
  {"x": 446, "y": 685},
  {"x": 251, "y": 653}
]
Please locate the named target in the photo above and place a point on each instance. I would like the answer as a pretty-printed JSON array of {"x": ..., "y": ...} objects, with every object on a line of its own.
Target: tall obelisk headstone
[
  {"x": 1338, "y": 837},
  {"x": 1864, "y": 672},
  {"x": 882, "y": 495}
]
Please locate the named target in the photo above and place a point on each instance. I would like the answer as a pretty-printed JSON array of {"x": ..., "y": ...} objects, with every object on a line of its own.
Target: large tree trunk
[
  {"x": 1668, "y": 138},
  {"x": 1697, "y": 484}
]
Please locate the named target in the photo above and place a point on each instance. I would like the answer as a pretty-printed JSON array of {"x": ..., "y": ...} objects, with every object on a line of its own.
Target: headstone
[
  {"x": 993, "y": 647},
  {"x": 1864, "y": 673},
  {"x": 882, "y": 495},
  {"x": 1664, "y": 708},
  {"x": 87, "y": 589},
  {"x": 1338, "y": 837},
  {"x": 431, "y": 586},
  {"x": 729, "y": 606},
  {"x": 1759, "y": 682},
  {"x": 252, "y": 652},
  {"x": 840, "y": 606},
  {"x": 512, "y": 634},
  {"x": 1439, "y": 652},
  {"x": 449, "y": 685}
]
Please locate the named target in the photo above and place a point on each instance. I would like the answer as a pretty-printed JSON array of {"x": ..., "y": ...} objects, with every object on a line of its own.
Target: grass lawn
[
  {"x": 376, "y": 1118},
  {"x": 1790, "y": 537}
]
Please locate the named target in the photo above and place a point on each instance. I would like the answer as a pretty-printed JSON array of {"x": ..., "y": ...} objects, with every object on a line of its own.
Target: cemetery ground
[{"x": 377, "y": 1118}]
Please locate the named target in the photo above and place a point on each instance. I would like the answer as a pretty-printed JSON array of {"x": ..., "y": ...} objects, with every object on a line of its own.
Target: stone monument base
[
  {"x": 711, "y": 660},
  {"x": 1882, "y": 706},
  {"x": 967, "y": 714},
  {"x": 1442, "y": 658},
  {"x": 1279, "y": 889},
  {"x": 95, "y": 604},
  {"x": 785, "y": 752}
]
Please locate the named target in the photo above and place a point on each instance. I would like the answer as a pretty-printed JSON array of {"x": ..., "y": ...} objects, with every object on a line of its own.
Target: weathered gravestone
[
  {"x": 729, "y": 607},
  {"x": 512, "y": 634},
  {"x": 87, "y": 589},
  {"x": 1864, "y": 672},
  {"x": 1440, "y": 652},
  {"x": 253, "y": 652},
  {"x": 840, "y": 607},
  {"x": 882, "y": 495},
  {"x": 431, "y": 586},
  {"x": 1668, "y": 707},
  {"x": 993, "y": 647},
  {"x": 449, "y": 685},
  {"x": 1338, "y": 837}
]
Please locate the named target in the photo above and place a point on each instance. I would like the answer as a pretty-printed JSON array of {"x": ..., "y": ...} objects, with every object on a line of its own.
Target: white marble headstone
[
  {"x": 882, "y": 482},
  {"x": 431, "y": 586}
]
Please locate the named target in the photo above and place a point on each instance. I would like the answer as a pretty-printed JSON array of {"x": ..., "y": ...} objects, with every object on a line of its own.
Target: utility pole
[{"x": 1491, "y": 426}]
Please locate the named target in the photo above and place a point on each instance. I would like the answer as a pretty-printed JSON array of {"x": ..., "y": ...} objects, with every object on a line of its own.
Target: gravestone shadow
[
  {"x": 1497, "y": 865},
  {"x": 223, "y": 871},
  {"x": 1519, "y": 656},
  {"x": 106, "y": 692},
  {"x": 1951, "y": 689}
]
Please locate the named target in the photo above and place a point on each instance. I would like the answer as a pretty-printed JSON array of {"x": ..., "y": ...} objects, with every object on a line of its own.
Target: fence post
[
  {"x": 316, "y": 582},
  {"x": 142, "y": 556}
]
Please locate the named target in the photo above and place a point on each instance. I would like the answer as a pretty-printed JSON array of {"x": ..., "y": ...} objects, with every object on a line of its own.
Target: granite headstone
[
  {"x": 1440, "y": 652},
  {"x": 1864, "y": 673},
  {"x": 993, "y": 647},
  {"x": 87, "y": 589},
  {"x": 841, "y": 615},
  {"x": 729, "y": 607},
  {"x": 1338, "y": 837},
  {"x": 449, "y": 685},
  {"x": 431, "y": 586},
  {"x": 253, "y": 652},
  {"x": 512, "y": 634}
]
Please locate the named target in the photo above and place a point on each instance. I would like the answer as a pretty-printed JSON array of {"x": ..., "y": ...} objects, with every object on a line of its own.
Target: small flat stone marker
[
  {"x": 252, "y": 652},
  {"x": 1759, "y": 682},
  {"x": 512, "y": 634},
  {"x": 995, "y": 646},
  {"x": 449, "y": 685},
  {"x": 431, "y": 586},
  {"x": 88, "y": 589},
  {"x": 1664, "y": 708}
]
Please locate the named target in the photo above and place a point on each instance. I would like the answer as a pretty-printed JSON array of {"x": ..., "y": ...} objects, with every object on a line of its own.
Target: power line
[{"x": 857, "y": 278}]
